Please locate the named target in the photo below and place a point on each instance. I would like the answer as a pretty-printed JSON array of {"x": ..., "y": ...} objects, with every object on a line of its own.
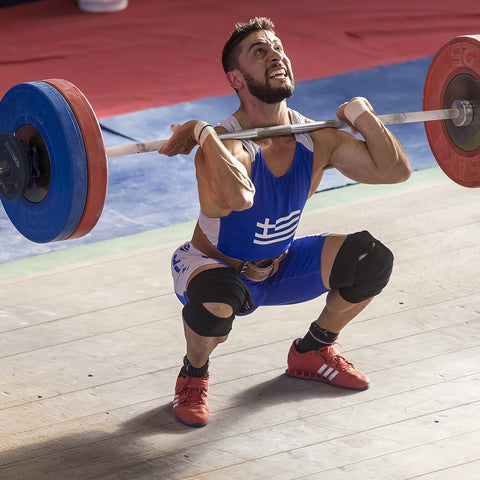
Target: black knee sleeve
[
  {"x": 217, "y": 285},
  {"x": 357, "y": 280}
]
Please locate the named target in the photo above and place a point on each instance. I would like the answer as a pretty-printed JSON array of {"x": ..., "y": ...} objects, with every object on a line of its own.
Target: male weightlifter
[{"x": 244, "y": 253}]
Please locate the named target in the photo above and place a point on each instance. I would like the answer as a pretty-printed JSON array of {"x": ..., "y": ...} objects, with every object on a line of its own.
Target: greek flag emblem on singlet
[{"x": 277, "y": 231}]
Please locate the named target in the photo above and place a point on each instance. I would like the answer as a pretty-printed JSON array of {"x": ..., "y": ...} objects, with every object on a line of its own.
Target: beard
[{"x": 268, "y": 94}]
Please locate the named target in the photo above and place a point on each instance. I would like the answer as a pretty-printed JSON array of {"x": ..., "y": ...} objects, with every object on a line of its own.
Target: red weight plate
[
  {"x": 455, "y": 70},
  {"x": 96, "y": 155}
]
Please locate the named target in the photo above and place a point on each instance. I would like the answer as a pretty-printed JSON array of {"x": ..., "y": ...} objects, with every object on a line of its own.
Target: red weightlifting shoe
[
  {"x": 325, "y": 365},
  {"x": 190, "y": 401}
]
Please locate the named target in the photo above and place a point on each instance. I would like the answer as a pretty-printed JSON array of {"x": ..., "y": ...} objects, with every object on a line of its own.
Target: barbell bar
[
  {"x": 53, "y": 161},
  {"x": 461, "y": 114}
]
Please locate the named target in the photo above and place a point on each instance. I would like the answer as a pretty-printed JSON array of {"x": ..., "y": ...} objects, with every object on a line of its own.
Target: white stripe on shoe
[
  {"x": 333, "y": 373},
  {"x": 322, "y": 368},
  {"x": 328, "y": 372}
]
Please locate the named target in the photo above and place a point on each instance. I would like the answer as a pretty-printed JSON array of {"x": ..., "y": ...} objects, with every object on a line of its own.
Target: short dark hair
[{"x": 231, "y": 51}]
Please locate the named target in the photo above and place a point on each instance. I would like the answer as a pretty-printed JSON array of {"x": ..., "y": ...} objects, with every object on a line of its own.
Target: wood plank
[
  {"x": 243, "y": 405},
  {"x": 362, "y": 433},
  {"x": 464, "y": 470},
  {"x": 118, "y": 320},
  {"x": 101, "y": 355}
]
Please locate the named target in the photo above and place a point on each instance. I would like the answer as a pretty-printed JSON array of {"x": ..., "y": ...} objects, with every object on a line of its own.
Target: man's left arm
[{"x": 380, "y": 158}]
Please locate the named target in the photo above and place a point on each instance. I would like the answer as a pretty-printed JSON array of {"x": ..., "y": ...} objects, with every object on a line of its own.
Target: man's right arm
[{"x": 222, "y": 170}]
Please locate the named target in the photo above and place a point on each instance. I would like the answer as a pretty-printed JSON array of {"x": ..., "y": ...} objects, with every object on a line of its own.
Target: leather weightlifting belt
[{"x": 256, "y": 271}]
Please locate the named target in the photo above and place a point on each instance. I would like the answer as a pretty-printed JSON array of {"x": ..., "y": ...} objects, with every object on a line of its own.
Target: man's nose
[{"x": 275, "y": 56}]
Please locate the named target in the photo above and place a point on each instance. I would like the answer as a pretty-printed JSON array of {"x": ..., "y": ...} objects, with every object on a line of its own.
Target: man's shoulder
[
  {"x": 229, "y": 124},
  {"x": 297, "y": 117}
]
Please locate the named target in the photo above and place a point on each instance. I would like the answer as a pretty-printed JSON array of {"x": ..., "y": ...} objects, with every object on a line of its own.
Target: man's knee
[
  {"x": 362, "y": 267},
  {"x": 221, "y": 287}
]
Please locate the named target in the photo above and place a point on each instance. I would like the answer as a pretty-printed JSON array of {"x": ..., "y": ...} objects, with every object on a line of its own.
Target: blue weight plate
[{"x": 55, "y": 216}]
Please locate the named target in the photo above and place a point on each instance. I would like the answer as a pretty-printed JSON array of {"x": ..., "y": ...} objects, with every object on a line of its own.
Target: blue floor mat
[{"x": 149, "y": 191}]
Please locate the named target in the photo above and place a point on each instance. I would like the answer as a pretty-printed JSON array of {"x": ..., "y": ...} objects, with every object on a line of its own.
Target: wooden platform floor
[{"x": 89, "y": 354}]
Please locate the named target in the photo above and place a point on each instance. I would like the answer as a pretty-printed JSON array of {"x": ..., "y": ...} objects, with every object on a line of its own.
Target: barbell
[{"x": 53, "y": 161}]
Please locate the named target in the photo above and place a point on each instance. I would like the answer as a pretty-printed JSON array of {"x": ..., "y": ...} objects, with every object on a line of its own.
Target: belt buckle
[
  {"x": 254, "y": 273},
  {"x": 244, "y": 268}
]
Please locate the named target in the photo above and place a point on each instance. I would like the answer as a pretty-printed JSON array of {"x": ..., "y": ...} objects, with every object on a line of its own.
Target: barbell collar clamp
[{"x": 466, "y": 113}]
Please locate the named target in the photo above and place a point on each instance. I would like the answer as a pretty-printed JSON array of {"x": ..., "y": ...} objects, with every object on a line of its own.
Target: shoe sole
[
  {"x": 194, "y": 425},
  {"x": 313, "y": 378}
]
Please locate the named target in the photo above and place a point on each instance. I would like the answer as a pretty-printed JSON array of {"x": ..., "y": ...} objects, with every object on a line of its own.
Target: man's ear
[{"x": 235, "y": 79}]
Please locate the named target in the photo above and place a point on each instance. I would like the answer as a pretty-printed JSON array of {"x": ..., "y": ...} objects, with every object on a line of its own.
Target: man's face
[{"x": 265, "y": 67}]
